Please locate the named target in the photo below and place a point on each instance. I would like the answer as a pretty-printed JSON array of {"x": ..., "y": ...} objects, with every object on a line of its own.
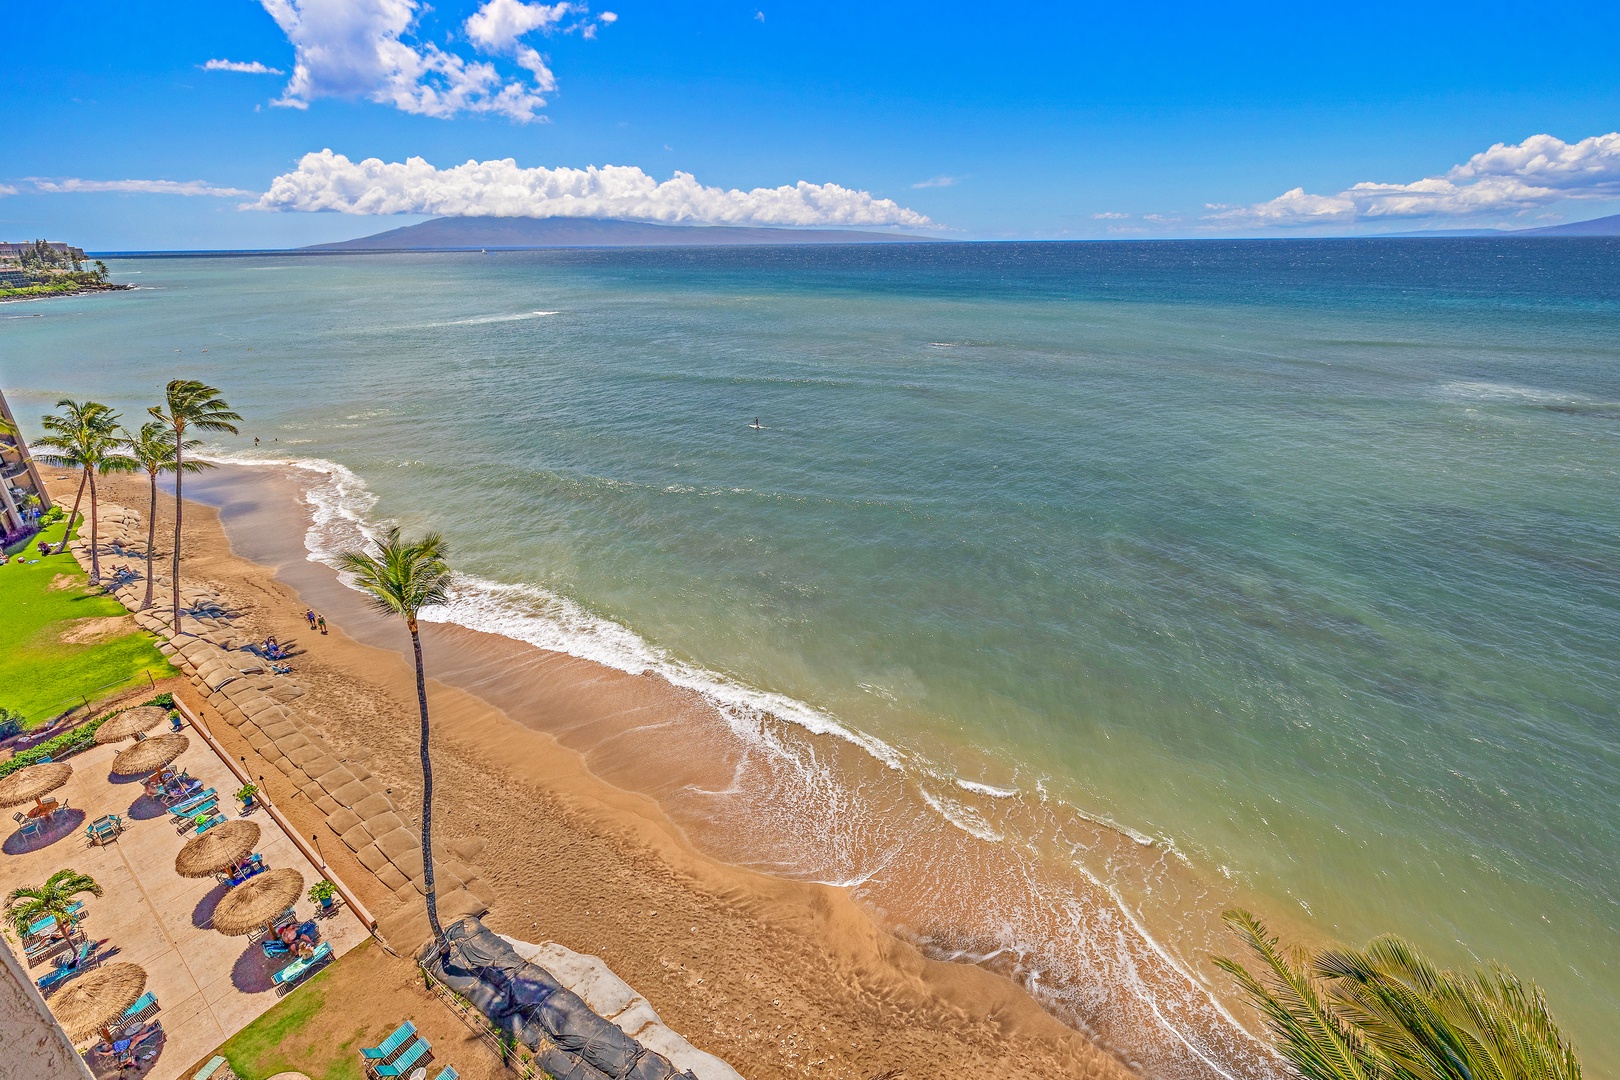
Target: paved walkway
[{"x": 208, "y": 986}]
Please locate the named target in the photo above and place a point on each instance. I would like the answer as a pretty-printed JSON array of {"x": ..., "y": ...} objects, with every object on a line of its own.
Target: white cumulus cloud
[
  {"x": 937, "y": 181},
  {"x": 248, "y": 67},
  {"x": 1506, "y": 179},
  {"x": 498, "y": 26},
  {"x": 7, "y": 189},
  {"x": 373, "y": 49},
  {"x": 329, "y": 181},
  {"x": 73, "y": 185}
]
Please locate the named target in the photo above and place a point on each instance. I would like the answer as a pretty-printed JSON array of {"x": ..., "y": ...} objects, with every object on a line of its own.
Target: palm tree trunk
[
  {"x": 179, "y": 473},
  {"x": 95, "y": 559},
  {"x": 427, "y": 796},
  {"x": 63, "y": 545},
  {"x": 151, "y": 538}
]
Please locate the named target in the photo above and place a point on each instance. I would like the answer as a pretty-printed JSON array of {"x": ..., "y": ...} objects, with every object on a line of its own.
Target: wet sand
[{"x": 779, "y": 977}]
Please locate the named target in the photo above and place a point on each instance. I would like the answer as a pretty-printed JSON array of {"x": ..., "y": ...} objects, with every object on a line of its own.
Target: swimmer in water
[{"x": 756, "y": 425}]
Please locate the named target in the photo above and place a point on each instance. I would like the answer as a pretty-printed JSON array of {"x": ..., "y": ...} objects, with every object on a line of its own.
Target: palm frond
[
  {"x": 401, "y": 577},
  {"x": 188, "y": 403},
  {"x": 1319, "y": 1044}
]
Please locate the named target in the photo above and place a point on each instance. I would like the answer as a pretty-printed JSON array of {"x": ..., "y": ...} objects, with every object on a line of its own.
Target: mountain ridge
[{"x": 449, "y": 234}]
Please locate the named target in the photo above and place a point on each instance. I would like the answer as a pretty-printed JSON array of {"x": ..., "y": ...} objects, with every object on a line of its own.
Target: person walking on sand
[
  {"x": 310, "y": 615},
  {"x": 320, "y": 621}
]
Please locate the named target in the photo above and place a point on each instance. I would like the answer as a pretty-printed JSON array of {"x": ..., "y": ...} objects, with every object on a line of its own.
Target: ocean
[{"x": 1064, "y": 595}]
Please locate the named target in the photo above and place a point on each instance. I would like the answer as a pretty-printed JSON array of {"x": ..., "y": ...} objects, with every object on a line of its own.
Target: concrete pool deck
[{"x": 208, "y": 986}]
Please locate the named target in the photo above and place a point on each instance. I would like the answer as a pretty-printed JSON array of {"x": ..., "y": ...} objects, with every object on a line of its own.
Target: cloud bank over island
[
  {"x": 328, "y": 181},
  {"x": 1541, "y": 170}
]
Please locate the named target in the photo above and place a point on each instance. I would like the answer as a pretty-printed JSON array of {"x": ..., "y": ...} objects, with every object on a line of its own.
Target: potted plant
[
  {"x": 323, "y": 892},
  {"x": 245, "y": 796}
]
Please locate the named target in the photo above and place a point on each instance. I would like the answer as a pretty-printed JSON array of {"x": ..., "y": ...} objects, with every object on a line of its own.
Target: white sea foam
[
  {"x": 1493, "y": 391},
  {"x": 986, "y": 789},
  {"x": 341, "y": 502},
  {"x": 963, "y": 817},
  {"x": 481, "y": 320}
]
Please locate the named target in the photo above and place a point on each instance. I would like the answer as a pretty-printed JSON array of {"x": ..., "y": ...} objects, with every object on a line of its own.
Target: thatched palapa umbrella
[
  {"x": 131, "y": 723},
  {"x": 149, "y": 755},
  {"x": 93, "y": 1002},
  {"x": 258, "y": 900},
  {"x": 33, "y": 781},
  {"x": 219, "y": 848}
]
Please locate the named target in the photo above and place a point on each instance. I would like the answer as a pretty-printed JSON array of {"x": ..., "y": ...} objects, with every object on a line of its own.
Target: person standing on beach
[
  {"x": 310, "y": 615},
  {"x": 320, "y": 621}
]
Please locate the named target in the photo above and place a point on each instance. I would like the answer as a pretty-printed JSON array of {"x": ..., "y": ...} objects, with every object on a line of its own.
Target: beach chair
[
  {"x": 418, "y": 1053},
  {"x": 48, "y": 923},
  {"x": 80, "y": 962},
  {"x": 391, "y": 1045},
  {"x": 145, "y": 1007},
  {"x": 299, "y": 968},
  {"x": 186, "y": 805},
  {"x": 448, "y": 1073},
  {"x": 28, "y": 827},
  {"x": 104, "y": 828},
  {"x": 208, "y": 823}
]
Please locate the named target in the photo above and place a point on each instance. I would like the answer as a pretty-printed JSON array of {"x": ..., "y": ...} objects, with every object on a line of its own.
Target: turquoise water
[{"x": 1297, "y": 558}]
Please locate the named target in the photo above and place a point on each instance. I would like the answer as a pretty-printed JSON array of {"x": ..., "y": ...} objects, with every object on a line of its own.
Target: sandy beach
[{"x": 780, "y": 978}]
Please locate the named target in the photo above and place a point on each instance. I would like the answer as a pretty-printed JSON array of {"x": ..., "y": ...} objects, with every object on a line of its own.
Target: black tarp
[{"x": 524, "y": 1000}]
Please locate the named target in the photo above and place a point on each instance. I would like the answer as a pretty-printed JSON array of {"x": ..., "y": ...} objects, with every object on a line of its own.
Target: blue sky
[{"x": 971, "y": 121}]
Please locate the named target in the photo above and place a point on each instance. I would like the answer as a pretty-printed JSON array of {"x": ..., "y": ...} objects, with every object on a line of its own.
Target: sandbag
[
  {"x": 562, "y": 1065},
  {"x": 575, "y": 1028}
]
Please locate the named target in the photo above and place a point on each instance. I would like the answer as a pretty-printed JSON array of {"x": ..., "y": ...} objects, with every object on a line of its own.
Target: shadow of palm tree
[
  {"x": 60, "y": 824},
  {"x": 202, "y": 916},
  {"x": 252, "y": 970}
]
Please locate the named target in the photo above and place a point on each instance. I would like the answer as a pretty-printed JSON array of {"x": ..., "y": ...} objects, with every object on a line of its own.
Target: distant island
[
  {"x": 41, "y": 268},
  {"x": 1603, "y": 226},
  {"x": 475, "y": 233}
]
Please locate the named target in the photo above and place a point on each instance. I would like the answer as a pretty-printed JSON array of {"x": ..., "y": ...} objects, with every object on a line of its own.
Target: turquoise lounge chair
[
  {"x": 67, "y": 971},
  {"x": 204, "y": 826},
  {"x": 48, "y": 923},
  {"x": 402, "y": 1065},
  {"x": 298, "y": 968},
  {"x": 448, "y": 1074},
  {"x": 141, "y": 1011},
  {"x": 386, "y": 1049}
]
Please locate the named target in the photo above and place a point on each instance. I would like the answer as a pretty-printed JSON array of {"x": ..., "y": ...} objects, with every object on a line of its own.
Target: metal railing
[{"x": 517, "y": 1058}]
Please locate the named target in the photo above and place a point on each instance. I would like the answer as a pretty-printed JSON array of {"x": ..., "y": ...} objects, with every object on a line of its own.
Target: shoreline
[
  {"x": 671, "y": 747},
  {"x": 772, "y": 975},
  {"x": 54, "y": 293}
]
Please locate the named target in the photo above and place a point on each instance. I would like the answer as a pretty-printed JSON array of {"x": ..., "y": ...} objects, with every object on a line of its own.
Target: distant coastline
[{"x": 45, "y": 292}]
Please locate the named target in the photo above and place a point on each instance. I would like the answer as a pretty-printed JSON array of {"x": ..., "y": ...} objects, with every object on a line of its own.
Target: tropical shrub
[{"x": 70, "y": 742}]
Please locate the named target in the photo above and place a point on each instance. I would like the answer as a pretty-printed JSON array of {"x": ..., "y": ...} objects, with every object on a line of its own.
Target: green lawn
[
  {"x": 295, "y": 1036},
  {"x": 42, "y": 675}
]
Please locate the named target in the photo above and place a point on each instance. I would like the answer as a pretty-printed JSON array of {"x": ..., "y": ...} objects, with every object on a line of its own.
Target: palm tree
[
  {"x": 402, "y": 578},
  {"x": 84, "y": 437},
  {"x": 1385, "y": 1012},
  {"x": 189, "y": 404},
  {"x": 152, "y": 449},
  {"x": 27, "y": 905}
]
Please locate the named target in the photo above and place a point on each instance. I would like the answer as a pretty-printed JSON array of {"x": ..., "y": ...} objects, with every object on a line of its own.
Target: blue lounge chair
[
  {"x": 204, "y": 826},
  {"x": 389, "y": 1046},
  {"x": 186, "y": 806},
  {"x": 402, "y": 1065},
  {"x": 141, "y": 1011},
  {"x": 66, "y": 971},
  {"x": 448, "y": 1074},
  {"x": 299, "y": 968},
  {"x": 48, "y": 923}
]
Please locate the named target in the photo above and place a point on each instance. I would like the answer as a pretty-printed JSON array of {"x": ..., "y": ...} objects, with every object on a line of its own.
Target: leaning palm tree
[
  {"x": 188, "y": 404},
  {"x": 54, "y": 899},
  {"x": 84, "y": 437},
  {"x": 151, "y": 450},
  {"x": 402, "y": 578},
  {"x": 1386, "y": 1013}
]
